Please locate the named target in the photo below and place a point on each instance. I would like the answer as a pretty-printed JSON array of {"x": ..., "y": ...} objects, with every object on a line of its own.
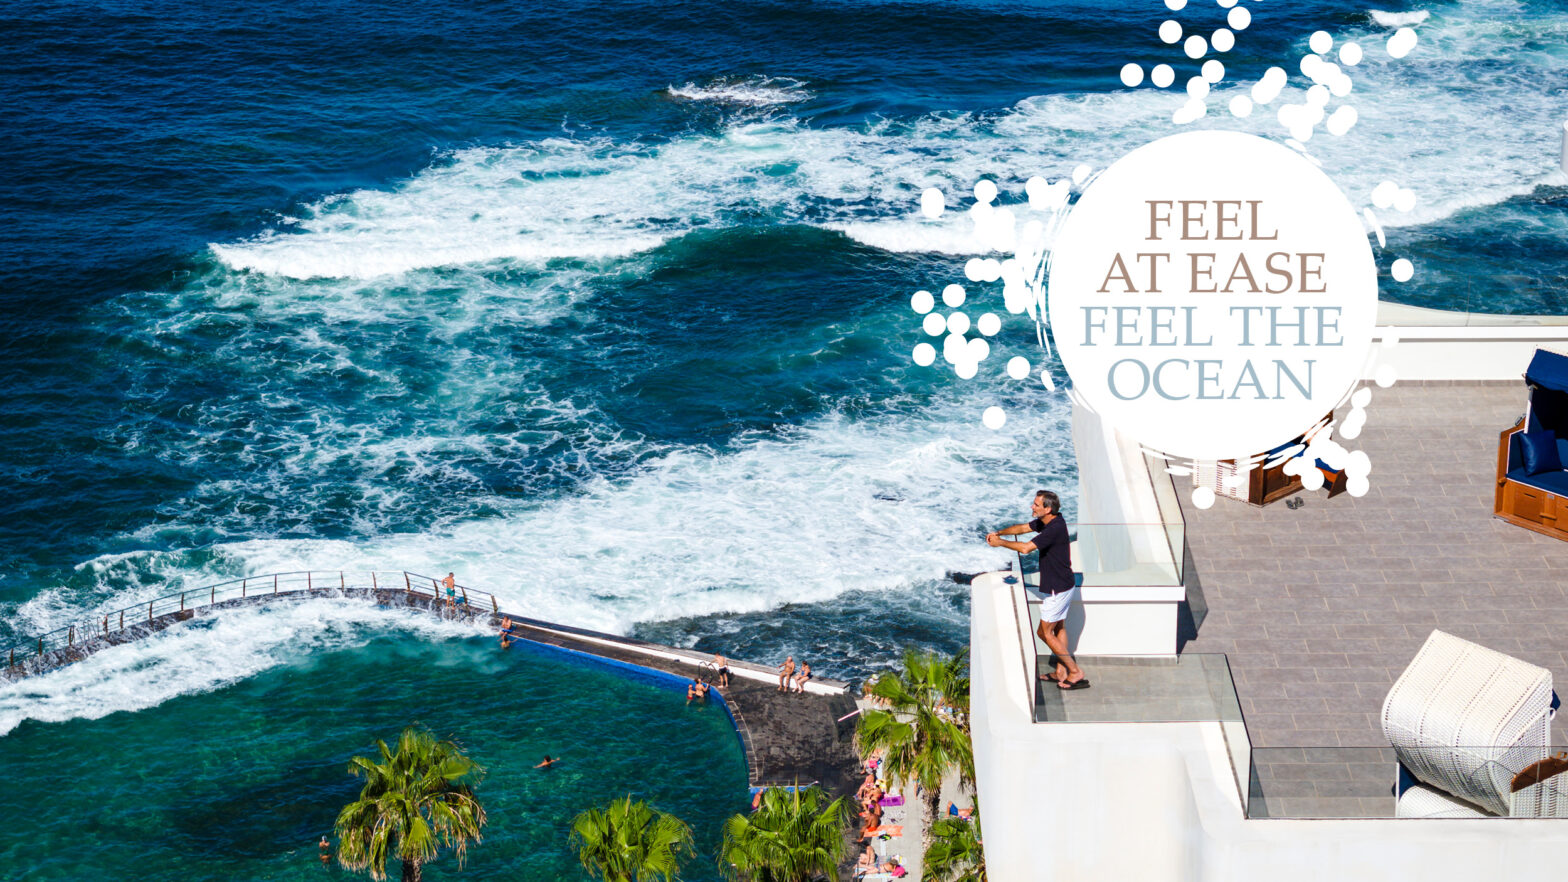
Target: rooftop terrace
[{"x": 1320, "y": 608}]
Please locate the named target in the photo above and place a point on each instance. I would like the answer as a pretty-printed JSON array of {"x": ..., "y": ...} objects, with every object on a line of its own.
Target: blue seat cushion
[
  {"x": 1551, "y": 482},
  {"x": 1539, "y": 449}
]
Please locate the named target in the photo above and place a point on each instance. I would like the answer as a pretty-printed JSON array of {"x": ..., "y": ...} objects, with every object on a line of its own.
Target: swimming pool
[{"x": 241, "y": 783}]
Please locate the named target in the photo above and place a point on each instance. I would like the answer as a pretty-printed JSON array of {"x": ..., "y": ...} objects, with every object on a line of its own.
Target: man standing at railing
[{"x": 1057, "y": 585}]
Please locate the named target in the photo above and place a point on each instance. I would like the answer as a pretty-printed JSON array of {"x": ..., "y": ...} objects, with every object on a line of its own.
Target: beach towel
[
  {"x": 887, "y": 830},
  {"x": 892, "y": 801}
]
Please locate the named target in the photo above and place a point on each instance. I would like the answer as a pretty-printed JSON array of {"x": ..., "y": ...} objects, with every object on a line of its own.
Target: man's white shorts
[{"x": 1053, "y": 607}]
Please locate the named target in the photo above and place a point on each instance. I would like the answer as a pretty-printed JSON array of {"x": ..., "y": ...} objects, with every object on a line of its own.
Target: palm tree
[
  {"x": 629, "y": 840},
  {"x": 414, "y": 802},
  {"x": 923, "y": 727},
  {"x": 955, "y": 854},
  {"x": 791, "y": 837}
]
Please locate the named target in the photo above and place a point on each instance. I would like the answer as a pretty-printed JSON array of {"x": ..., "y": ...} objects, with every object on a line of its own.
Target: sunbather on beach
[{"x": 867, "y": 861}]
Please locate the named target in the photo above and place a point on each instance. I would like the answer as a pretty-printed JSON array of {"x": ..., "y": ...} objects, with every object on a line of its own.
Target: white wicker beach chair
[
  {"x": 1422, "y": 801},
  {"x": 1464, "y": 719}
]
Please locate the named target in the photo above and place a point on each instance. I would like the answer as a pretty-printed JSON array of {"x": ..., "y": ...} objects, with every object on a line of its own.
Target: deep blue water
[{"x": 606, "y": 306}]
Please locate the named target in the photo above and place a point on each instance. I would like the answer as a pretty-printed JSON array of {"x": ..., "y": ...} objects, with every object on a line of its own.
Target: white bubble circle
[
  {"x": 1195, "y": 47},
  {"x": 1226, "y": 4},
  {"x": 1213, "y": 71},
  {"x": 1176, "y": 5},
  {"x": 925, "y": 354},
  {"x": 957, "y": 323},
  {"x": 1390, "y": 337},
  {"x": 1361, "y": 398},
  {"x": 985, "y": 191},
  {"x": 932, "y": 202},
  {"x": 1162, "y": 76},
  {"x": 1170, "y": 31},
  {"x": 1223, "y": 40},
  {"x": 978, "y": 350},
  {"x": 1350, "y": 54},
  {"x": 1401, "y": 43},
  {"x": 1202, "y": 497},
  {"x": 1383, "y": 194},
  {"x": 1132, "y": 75},
  {"x": 953, "y": 296},
  {"x": 934, "y": 324},
  {"x": 1018, "y": 367},
  {"x": 922, "y": 302},
  {"x": 1198, "y": 88},
  {"x": 1402, "y": 270},
  {"x": 1238, "y": 18},
  {"x": 1385, "y": 375},
  {"x": 1312, "y": 479},
  {"x": 1047, "y": 380},
  {"x": 966, "y": 370},
  {"x": 1184, "y": 417},
  {"x": 989, "y": 324},
  {"x": 1321, "y": 42},
  {"x": 1357, "y": 487},
  {"x": 994, "y": 417},
  {"x": 1241, "y": 106},
  {"x": 1404, "y": 200}
]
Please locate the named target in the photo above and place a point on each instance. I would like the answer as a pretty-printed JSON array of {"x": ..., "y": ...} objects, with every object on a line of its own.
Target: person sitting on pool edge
[
  {"x": 803, "y": 676},
  {"x": 1058, "y": 586}
]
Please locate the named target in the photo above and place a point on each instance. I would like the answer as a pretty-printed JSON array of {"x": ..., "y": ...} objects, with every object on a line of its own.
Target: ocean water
[{"x": 605, "y": 306}]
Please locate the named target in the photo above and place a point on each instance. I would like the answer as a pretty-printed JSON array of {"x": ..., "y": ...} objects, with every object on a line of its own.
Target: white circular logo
[{"x": 1212, "y": 295}]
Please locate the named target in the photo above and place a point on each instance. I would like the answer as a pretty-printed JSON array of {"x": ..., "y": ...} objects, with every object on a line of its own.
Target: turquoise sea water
[{"x": 604, "y": 307}]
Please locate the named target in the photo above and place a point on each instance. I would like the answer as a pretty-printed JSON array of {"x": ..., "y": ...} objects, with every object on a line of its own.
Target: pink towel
[{"x": 891, "y": 801}]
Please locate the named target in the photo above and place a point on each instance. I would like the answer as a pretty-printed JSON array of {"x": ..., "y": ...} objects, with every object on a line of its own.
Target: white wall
[{"x": 1146, "y": 802}]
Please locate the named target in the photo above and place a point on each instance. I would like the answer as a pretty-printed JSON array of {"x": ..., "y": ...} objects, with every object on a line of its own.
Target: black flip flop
[{"x": 1069, "y": 687}]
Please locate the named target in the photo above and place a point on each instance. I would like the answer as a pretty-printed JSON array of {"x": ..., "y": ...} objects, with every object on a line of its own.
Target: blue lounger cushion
[
  {"x": 1551, "y": 482},
  {"x": 1539, "y": 449}
]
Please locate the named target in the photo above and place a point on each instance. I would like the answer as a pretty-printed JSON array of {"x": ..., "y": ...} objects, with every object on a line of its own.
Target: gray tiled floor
[{"x": 1321, "y": 608}]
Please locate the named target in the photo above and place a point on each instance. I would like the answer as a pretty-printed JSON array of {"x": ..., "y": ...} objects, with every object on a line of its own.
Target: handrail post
[
  {"x": 106, "y": 626},
  {"x": 342, "y": 582},
  {"x": 406, "y": 583},
  {"x": 494, "y": 607},
  {"x": 40, "y": 646},
  {"x": 274, "y": 583},
  {"x": 243, "y": 584},
  {"x": 308, "y": 586},
  {"x": 213, "y": 598},
  {"x": 13, "y": 658},
  {"x": 465, "y": 594},
  {"x": 182, "y": 601},
  {"x": 373, "y": 585},
  {"x": 122, "y": 620},
  {"x": 149, "y": 612},
  {"x": 70, "y": 636}
]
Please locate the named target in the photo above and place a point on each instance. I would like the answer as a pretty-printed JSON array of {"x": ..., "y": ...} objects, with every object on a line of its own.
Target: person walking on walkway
[{"x": 1058, "y": 587}]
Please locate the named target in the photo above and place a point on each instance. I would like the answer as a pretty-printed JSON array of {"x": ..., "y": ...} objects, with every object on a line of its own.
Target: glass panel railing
[
  {"x": 1370, "y": 782},
  {"x": 1120, "y": 555}
]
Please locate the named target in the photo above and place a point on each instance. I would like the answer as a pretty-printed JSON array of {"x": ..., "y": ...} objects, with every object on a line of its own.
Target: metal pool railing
[{"x": 148, "y": 612}]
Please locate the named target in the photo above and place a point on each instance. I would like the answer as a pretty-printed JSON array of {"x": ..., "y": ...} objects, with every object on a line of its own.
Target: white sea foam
[
  {"x": 1399, "y": 19},
  {"x": 204, "y": 654},
  {"x": 750, "y": 91},
  {"x": 1458, "y": 140}
]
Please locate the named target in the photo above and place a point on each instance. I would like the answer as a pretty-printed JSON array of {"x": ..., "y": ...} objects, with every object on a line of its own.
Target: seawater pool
[{"x": 241, "y": 783}]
